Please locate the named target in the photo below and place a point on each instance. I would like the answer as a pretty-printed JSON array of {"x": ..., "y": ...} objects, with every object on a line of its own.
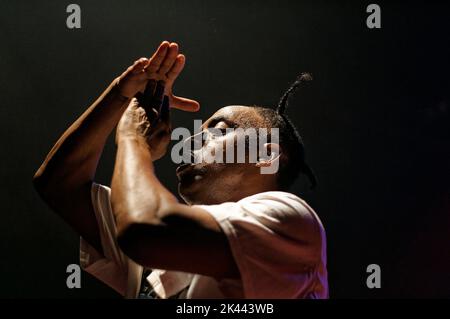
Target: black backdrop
[{"x": 375, "y": 121}]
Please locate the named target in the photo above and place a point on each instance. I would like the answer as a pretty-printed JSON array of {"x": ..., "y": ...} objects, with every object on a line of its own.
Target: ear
[{"x": 269, "y": 159}]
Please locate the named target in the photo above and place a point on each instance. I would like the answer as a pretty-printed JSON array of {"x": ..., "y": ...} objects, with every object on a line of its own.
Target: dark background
[{"x": 375, "y": 121}]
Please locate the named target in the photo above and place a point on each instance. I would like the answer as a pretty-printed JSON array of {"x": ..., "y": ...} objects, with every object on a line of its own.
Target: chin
[
  {"x": 192, "y": 182},
  {"x": 198, "y": 192},
  {"x": 188, "y": 196},
  {"x": 190, "y": 191}
]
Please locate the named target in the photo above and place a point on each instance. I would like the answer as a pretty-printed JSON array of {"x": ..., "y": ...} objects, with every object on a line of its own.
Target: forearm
[
  {"x": 137, "y": 195},
  {"x": 75, "y": 155},
  {"x": 157, "y": 232}
]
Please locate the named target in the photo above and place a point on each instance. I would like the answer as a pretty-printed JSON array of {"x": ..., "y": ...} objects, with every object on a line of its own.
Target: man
[{"x": 238, "y": 235}]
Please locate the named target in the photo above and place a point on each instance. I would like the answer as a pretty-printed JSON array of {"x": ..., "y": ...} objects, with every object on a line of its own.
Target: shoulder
[
  {"x": 285, "y": 212},
  {"x": 276, "y": 211},
  {"x": 279, "y": 204},
  {"x": 273, "y": 221}
]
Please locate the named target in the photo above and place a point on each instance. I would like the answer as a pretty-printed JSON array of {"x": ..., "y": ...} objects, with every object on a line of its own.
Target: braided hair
[{"x": 290, "y": 140}]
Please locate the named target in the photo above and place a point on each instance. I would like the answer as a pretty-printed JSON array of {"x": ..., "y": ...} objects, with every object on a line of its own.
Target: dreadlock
[
  {"x": 290, "y": 139},
  {"x": 283, "y": 103}
]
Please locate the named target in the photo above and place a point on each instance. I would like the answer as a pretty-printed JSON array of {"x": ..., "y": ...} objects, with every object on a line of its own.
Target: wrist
[
  {"x": 136, "y": 145},
  {"x": 117, "y": 91},
  {"x": 132, "y": 138}
]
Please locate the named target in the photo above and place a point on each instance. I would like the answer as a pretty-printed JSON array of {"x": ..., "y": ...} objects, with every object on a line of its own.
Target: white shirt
[{"x": 269, "y": 234}]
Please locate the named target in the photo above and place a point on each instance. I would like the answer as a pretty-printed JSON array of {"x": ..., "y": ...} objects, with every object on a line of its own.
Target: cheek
[
  {"x": 229, "y": 143},
  {"x": 213, "y": 151},
  {"x": 226, "y": 174},
  {"x": 229, "y": 171},
  {"x": 226, "y": 148},
  {"x": 220, "y": 149},
  {"x": 215, "y": 176}
]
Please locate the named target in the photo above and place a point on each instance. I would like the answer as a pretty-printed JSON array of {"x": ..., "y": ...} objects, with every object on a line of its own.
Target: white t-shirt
[{"x": 269, "y": 234}]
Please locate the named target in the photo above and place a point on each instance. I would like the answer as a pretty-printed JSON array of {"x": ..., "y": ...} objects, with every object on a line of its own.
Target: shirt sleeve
[
  {"x": 111, "y": 267},
  {"x": 276, "y": 241}
]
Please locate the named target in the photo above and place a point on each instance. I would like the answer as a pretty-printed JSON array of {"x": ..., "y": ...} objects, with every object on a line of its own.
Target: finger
[
  {"x": 176, "y": 69},
  {"x": 138, "y": 65},
  {"x": 153, "y": 117},
  {"x": 184, "y": 104},
  {"x": 140, "y": 98},
  {"x": 150, "y": 88},
  {"x": 158, "y": 57},
  {"x": 145, "y": 98},
  {"x": 165, "y": 110},
  {"x": 169, "y": 60},
  {"x": 134, "y": 104},
  {"x": 158, "y": 96}
]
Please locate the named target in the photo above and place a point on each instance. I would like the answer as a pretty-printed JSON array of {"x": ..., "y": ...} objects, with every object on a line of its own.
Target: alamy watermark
[
  {"x": 73, "y": 20},
  {"x": 74, "y": 278},
  {"x": 373, "y": 21},
  {"x": 231, "y": 145},
  {"x": 374, "y": 279}
]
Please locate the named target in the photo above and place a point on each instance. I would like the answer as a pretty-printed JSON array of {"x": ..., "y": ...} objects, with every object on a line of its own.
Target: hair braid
[
  {"x": 281, "y": 109},
  {"x": 282, "y": 104}
]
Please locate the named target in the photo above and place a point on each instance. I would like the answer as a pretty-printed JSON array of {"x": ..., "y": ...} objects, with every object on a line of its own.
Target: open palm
[{"x": 165, "y": 64}]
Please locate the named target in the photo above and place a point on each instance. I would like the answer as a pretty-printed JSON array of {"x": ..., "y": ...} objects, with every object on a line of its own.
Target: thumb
[
  {"x": 134, "y": 104},
  {"x": 138, "y": 66},
  {"x": 184, "y": 104}
]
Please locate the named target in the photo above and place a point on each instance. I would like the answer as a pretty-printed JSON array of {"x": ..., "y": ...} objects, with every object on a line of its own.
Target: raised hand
[
  {"x": 165, "y": 65},
  {"x": 147, "y": 118}
]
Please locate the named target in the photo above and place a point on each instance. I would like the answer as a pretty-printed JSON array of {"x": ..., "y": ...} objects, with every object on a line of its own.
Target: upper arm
[
  {"x": 75, "y": 206},
  {"x": 273, "y": 232},
  {"x": 186, "y": 239}
]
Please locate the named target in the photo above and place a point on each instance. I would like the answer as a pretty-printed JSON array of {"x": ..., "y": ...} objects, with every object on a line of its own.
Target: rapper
[{"x": 237, "y": 233}]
